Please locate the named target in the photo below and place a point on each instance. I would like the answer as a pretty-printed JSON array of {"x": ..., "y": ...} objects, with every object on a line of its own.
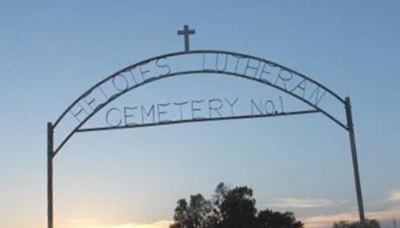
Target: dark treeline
[
  {"x": 370, "y": 223},
  {"x": 229, "y": 208}
]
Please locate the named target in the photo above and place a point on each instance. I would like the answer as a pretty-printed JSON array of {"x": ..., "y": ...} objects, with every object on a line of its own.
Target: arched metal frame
[{"x": 52, "y": 152}]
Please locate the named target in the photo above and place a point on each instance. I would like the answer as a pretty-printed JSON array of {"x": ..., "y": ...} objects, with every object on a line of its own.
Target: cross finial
[{"x": 186, "y": 32}]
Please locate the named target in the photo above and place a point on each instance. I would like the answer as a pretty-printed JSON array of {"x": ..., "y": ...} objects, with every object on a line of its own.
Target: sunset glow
[{"x": 89, "y": 223}]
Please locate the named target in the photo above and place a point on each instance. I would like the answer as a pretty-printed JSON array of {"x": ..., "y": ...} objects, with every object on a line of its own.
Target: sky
[{"x": 53, "y": 51}]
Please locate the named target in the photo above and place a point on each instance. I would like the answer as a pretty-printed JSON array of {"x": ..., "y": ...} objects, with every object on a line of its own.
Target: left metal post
[{"x": 50, "y": 147}]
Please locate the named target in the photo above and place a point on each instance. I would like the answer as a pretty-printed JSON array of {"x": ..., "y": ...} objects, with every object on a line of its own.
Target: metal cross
[{"x": 186, "y": 32}]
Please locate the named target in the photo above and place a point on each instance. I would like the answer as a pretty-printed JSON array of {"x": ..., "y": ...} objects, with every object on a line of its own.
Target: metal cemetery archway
[{"x": 188, "y": 62}]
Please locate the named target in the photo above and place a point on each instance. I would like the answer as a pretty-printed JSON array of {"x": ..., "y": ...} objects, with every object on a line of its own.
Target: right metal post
[
  {"x": 50, "y": 155},
  {"x": 350, "y": 128}
]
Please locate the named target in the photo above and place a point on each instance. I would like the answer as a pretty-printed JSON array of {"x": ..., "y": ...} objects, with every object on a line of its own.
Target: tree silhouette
[
  {"x": 274, "y": 219},
  {"x": 229, "y": 208},
  {"x": 370, "y": 223},
  {"x": 237, "y": 207},
  {"x": 193, "y": 215}
]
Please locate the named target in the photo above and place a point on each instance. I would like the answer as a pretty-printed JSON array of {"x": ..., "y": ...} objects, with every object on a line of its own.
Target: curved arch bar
[{"x": 239, "y": 65}]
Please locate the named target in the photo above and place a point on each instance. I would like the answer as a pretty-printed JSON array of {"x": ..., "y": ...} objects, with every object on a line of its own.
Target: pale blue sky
[{"x": 52, "y": 51}]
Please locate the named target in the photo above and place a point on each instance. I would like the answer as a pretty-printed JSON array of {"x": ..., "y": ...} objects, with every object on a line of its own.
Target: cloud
[
  {"x": 394, "y": 196},
  {"x": 328, "y": 220},
  {"x": 306, "y": 203},
  {"x": 96, "y": 223},
  {"x": 82, "y": 220}
]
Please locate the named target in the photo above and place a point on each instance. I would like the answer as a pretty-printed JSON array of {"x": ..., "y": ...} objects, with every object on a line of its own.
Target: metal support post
[
  {"x": 350, "y": 129},
  {"x": 50, "y": 145}
]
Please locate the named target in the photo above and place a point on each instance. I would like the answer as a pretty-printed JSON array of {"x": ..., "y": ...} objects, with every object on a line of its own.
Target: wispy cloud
[
  {"x": 97, "y": 223},
  {"x": 306, "y": 203},
  {"x": 82, "y": 220},
  {"x": 394, "y": 196},
  {"x": 328, "y": 220}
]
